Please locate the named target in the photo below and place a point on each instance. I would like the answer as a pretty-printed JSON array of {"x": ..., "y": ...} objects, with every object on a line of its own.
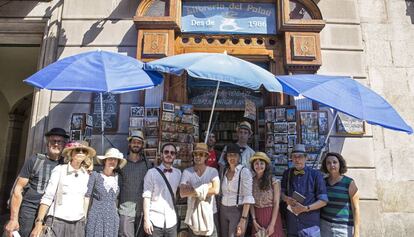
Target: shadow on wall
[{"x": 410, "y": 9}]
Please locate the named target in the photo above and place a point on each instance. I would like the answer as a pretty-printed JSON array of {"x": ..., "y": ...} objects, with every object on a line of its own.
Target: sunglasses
[
  {"x": 166, "y": 152},
  {"x": 79, "y": 150}
]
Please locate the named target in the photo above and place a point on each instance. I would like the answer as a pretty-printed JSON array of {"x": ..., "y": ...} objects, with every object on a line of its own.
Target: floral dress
[{"x": 103, "y": 218}]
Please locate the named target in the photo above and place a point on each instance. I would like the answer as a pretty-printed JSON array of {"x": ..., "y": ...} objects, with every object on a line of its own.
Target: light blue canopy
[
  {"x": 96, "y": 71},
  {"x": 344, "y": 94},
  {"x": 219, "y": 67}
]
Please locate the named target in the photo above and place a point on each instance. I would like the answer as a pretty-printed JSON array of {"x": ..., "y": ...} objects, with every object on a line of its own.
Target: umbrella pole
[
  {"x": 102, "y": 124},
  {"x": 327, "y": 138},
  {"x": 212, "y": 112}
]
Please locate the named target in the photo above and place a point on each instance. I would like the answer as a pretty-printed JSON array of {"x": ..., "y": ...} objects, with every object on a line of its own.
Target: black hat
[
  {"x": 233, "y": 148},
  {"x": 57, "y": 132}
]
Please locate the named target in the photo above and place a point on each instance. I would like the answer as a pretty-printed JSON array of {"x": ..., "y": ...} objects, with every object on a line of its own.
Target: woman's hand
[
  {"x": 270, "y": 229},
  {"x": 241, "y": 227},
  {"x": 256, "y": 226}
]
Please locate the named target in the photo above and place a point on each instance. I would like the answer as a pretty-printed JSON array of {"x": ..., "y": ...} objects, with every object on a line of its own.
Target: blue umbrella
[
  {"x": 219, "y": 67},
  {"x": 96, "y": 71},
  {"x": 346, "y": 95}
]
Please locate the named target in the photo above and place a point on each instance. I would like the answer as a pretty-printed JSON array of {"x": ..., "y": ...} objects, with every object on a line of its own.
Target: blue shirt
[{"x": 312, "y": 186}]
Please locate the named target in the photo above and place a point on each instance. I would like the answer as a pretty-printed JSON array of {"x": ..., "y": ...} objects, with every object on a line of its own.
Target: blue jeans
[
  {"x": 329, "y": 229},
  {"x": 27, "y": 217}
]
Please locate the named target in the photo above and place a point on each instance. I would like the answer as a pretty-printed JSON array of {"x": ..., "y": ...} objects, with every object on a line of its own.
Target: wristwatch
[
  {"x": 39, "y": 220},
  {"x": 308, "y": 208}
]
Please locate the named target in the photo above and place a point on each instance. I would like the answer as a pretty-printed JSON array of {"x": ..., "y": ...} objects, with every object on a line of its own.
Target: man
[
  {"x": 160, "y": 217},
  {"x": 200, "y": 184},
  {"x": 131, "y": 183},
  {"x": 31, "y": 184},
  {"x": 213, "y": 154},
  {"x": 304, "y": 191},
  {"x": 244, "y": 132}
]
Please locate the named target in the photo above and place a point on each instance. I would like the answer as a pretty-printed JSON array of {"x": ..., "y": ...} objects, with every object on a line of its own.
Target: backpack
[{"x": 40, "y": 160}]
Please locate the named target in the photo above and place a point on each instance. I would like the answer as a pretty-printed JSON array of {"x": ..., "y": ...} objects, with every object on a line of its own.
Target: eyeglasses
[
  {"x": 59, "y": 142},
  {"x": 79, "y": 150},
  {"x": 166, "y": 152}
]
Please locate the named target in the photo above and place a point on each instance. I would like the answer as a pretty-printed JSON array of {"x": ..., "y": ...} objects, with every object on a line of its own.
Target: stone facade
[{"x": 370, "y": 40}]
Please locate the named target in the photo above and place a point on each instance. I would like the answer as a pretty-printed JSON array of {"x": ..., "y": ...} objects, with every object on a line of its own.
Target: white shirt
[
  {"x": 70, "y": 198},
  {"x": 161, "y": 203},
  {"x": 191, "y": 177},
  {"x": 229, "y": 188}
]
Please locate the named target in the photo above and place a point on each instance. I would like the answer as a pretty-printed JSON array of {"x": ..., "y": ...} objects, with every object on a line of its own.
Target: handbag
[
  {"x": 172, "y": 196},
  {"x": 47, "y": 231}
]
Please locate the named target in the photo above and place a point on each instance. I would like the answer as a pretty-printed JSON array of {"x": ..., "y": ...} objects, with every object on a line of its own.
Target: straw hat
[
  {"x": 113, "y": 153},
  {"x": 78, "y": 144},
  {"x": 138, "y": 134},
  {"x": 245, "y": 125},
  {"x": 260, "y": 156},
  {"x": 200, "y": 147}
]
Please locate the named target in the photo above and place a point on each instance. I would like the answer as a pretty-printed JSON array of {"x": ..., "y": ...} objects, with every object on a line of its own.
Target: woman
[
  {"x": 266, "y": 193},
  {"x": 103, "y": 218},
  {"x": 65, "y": 193},
  {"x": 236, "y": 194},
  {"x": 341, "y": 216}
]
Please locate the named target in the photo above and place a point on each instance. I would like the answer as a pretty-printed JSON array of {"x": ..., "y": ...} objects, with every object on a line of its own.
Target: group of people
[{"x": 229, "y": 193}]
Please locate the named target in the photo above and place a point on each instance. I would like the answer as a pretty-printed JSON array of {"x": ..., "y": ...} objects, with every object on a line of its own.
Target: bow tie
[
  {"x": 168, "y": 170},
  {"x": 298, "y": 172}
]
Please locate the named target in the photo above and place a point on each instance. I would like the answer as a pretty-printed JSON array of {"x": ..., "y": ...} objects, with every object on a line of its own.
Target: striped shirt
[{"x": 339, "y": 208}]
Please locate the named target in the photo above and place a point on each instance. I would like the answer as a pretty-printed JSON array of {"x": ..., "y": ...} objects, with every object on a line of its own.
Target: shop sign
[
  {"x": 228, "y": 17},
  {"x": 229, "y": 98},
  {"x": 110, "y": 112}
]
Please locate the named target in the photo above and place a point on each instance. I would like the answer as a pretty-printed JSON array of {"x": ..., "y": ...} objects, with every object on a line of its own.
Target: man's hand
[
  {"x": 298, "y": 208},
  {"x": 37, "y": 230},
  {"x": 148, "y": 228},
  {"x": 241, "y": 227},
  {"x": 11, "y": 226},
  {"x": 290, "y": 201}
]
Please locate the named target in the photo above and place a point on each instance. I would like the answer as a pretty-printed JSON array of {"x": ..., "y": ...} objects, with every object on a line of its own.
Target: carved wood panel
[{"x": 155, "y": 44}]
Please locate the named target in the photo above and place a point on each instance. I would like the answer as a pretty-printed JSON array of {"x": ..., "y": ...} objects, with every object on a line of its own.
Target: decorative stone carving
[
  {"x": 304, "y": 47},
  {"x": 155, "y": 44}
]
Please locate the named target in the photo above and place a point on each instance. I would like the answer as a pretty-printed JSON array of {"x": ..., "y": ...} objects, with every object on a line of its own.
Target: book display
[
  {"x": 81, "y": 127},
  {"x": 179, "y": 125},
  {"x": 313, "y": 131},
  {"x": 146, "y": 119},
  {"x": 281, "y": 135}
]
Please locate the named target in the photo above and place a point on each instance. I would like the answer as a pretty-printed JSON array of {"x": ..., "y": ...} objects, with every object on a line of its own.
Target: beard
[{"x": 135, "y": 150}]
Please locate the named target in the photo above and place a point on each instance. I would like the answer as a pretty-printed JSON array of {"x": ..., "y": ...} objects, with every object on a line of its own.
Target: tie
[
  {"x": 168, "y": 170},
  {"x": 298, "y": 172}
]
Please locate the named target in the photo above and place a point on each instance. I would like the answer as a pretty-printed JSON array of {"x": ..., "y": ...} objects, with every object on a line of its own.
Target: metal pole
[
  {"x": 102, "y": 124},
  {"x": 327, "y": 138},
  {"x": 212, "y": 111}
]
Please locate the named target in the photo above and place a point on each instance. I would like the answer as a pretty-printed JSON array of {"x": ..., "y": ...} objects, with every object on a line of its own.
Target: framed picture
[
  {"x": 77, "y": 122},
  {"x": 279, "y": 169},
  {"x": 280, "y": 159},
  {"x": 269, "y": 151},
  {"x": 136, "y": 122},
  {"x": 169, "y": 107},
  {"x": 151, "y": 122},
  {"x": 270, "y": 140},
  {"x": 151, "y": 132},
  {"x": 281, "y": 148},
  {"x": 89, "y": 120},
  {"x": 76, "y": 135},
  {"x": 168, "y": 127},
  {"x": 150, "y": 152},
  {"x": 184, "y": 137},
  {"x": 348, "y": 125},
  {"x": 309, "y": 121},
  {"x": 152, "y": 112},
  {"x": 152, "y": 142},
  {"x": 292, "y": 140},
  {"x": 187, "y": 109},
  {"x": 168, "y": 116},
  {"x": 196, "y": 120},
  {"x": 269, "y": 115},
  {"x": 281, "y": 127},
  {"x": 178, "y": 115},
  {"x": 187, "y": 119},
  {"x": 291, "y": 127},
  {"x": 323, "y": 122},
  {"x": 137, "y": 111},
  {"x": 269, "y": 127},
  {"x": 280, "y": 138},
  {"x": 291, "y": 114},
  {"x": 110, "y": 111},
  {"x": 280, "y": 114},
  {"x": 88, "y": 132}
]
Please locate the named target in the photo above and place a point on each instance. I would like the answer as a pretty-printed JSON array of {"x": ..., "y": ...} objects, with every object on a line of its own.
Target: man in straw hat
[
  {"x": 200, "y": 184},
  {"x": 244, "y": 132},
  {"x": 304, "y": 191},
  {"x": 64, "y": 203},
  {"x": 131, "y": 181},
  {"x": 160, "y": 187},
  {"x": 31, "y": 183}
]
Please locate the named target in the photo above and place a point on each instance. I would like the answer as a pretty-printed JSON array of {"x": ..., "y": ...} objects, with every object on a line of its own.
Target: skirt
[{"x": 263, "y": 218}]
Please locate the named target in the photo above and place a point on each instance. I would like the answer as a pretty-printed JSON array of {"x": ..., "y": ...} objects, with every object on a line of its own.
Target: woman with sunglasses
[{"x": 63, "y": 206}]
